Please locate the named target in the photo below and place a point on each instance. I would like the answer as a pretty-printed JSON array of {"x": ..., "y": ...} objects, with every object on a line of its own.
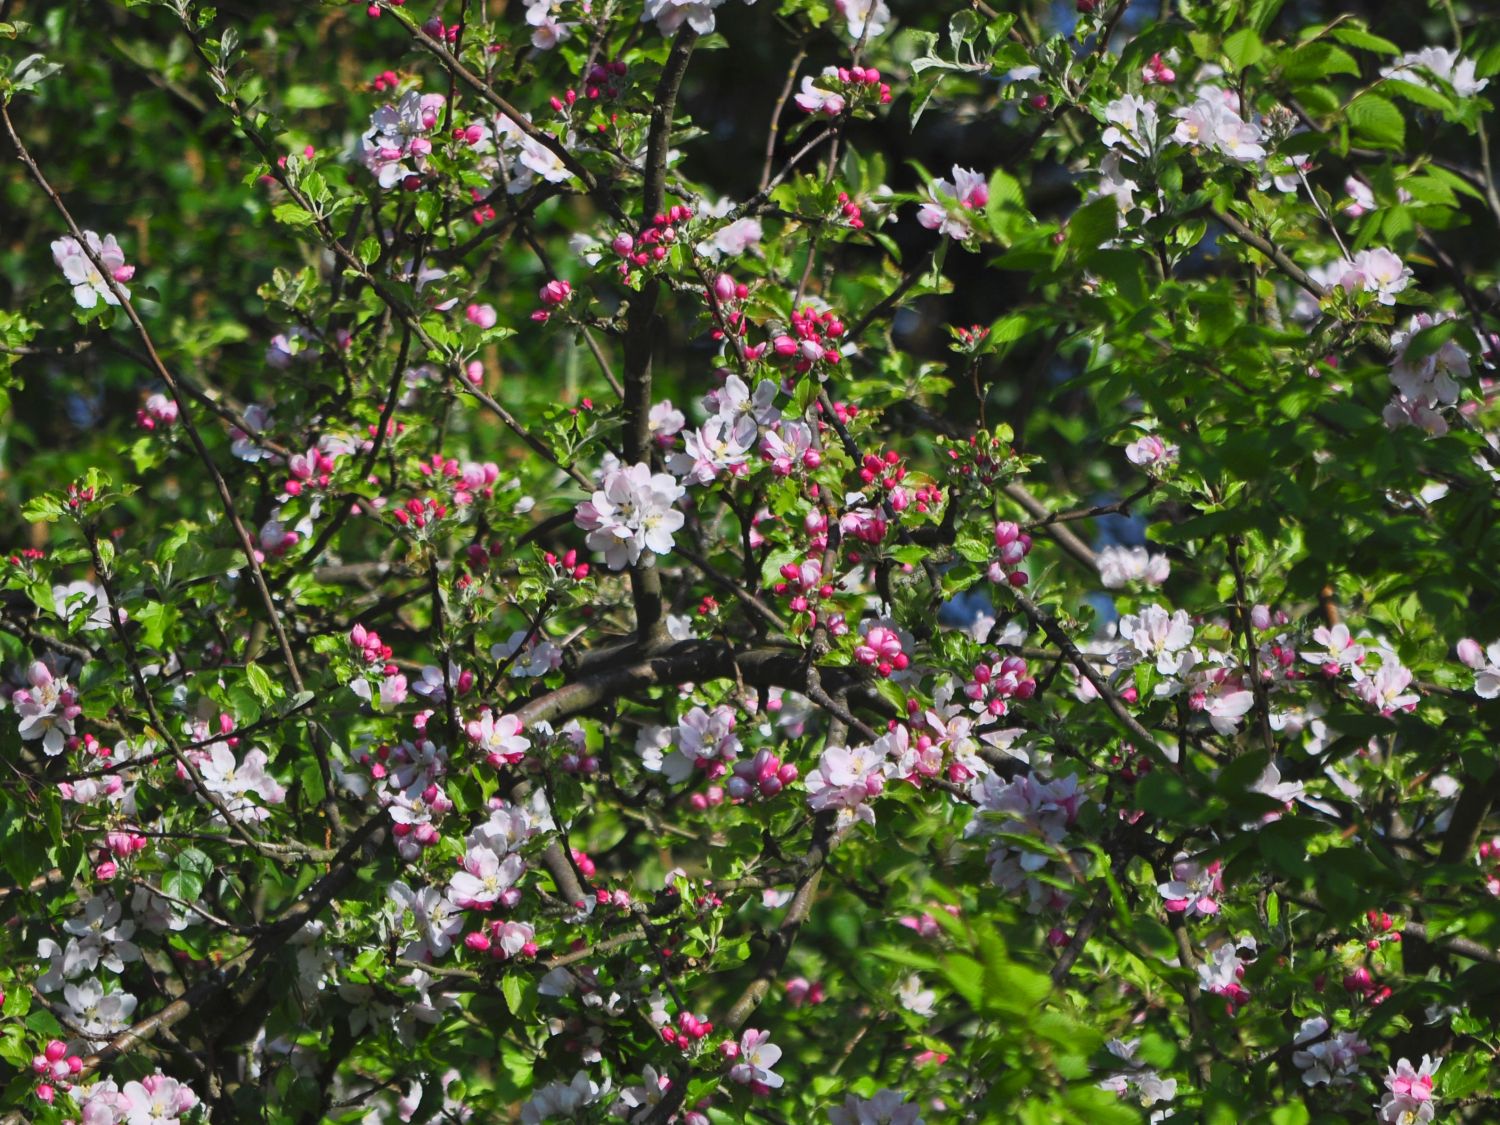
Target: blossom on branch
[{"x": 632, "y": 515}]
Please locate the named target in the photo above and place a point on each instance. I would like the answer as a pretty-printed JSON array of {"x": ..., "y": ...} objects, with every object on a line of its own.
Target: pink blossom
[
  {"x": 1327, "y": 1060},
  {"x": 47, "y": 708},
  {"x": 864, "y": 19},
  {"x": 1433, "y": 379},
  {"x": 968, "y": 191},
  {"x": 756, "y": 1056},
  {"x": 1376, "y": 271},
  {"x": 1213, "y": 122},
  {"x": 1386, "y": 689},
  {"x": 1448, "y": 66},
  {"x": 817, "y": 99},
  {"x": 1342, "y": 654},
  {"x": 1486, "y": 665},
  {"x": 1120, "y": 566},
  {"x": 499, "y": 738},
  {"x": 397, "y": 144},
  {"x": 1408, "y": 1099},
  {"x": 484, "y": 316},
  {"x": 485, "y": 878},
  {"x": 1159, "y": 638},
  {"x": 157, "y": 1100},
  {"x": 884, "y": 1107},
  {"x": 881, "y": 646},
  {"x": 89, "y": 285},
  {"x": 1150, "y": 450},
  {"x": 1193, "y": 889},
  {"x": 847, "y": 778}
]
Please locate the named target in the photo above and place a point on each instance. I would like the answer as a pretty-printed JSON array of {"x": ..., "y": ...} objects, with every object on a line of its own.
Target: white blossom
[
  {"x": 1437, "y": 62},
  {"x": 632, "y": 514},
  {"x": 89, "y": 285}
]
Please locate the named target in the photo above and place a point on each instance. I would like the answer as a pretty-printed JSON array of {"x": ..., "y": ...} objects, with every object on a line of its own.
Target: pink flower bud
[{"x": 482, "y": 315}]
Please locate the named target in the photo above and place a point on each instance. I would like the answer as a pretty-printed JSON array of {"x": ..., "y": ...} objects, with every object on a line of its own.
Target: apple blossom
[
  {"x": 442, "y": 890},
  {"x": 1028, "y": 806},
  {"x": 848, "y": 778},
  {"x": 1324, "y": 1059},
  {"x": 1376, "y": 271},
  {"x": 89, "y": 285},
  {"x": 1194, "y": 889},
  {"x": 1158, "y": 638},
  {"x": 1385, "y": 689},
  {"x": 47, "y": 707},
  {"x": 1408, "y": 1099},
  {"x": 397, "y": 144},
  {"x": 1341, "y": 652},
  {"x": 1486, "y": 665},
  {"x": 1434, "y": 378},
  {"x": 817, "y": 99},
  {"x": 967, "y": 191},
  {"x": 632, "y": 515},
  {"x": 1213, "y": 122},
  {"x": 1119, "y": 566},
  {"x": 1448, "y": 66},
  {"x": 1150, "y": 450},
  {"x": 756, "y": 1056},
  {"x": 1132, "y": 125},
  {"x": 884, "y": 1107},
  {"x": 157, "y": 1100},
  {"x": 864, "y": 19},
  {"x": 563, "y": 1099}
]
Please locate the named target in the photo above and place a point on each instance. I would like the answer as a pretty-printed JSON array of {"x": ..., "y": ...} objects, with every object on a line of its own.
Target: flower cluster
[
  {"x": 1425, "y": 385},
  {"x": 396, "y": 146},
  {"x": 1042, "y": 812},
  {"x": 632, "y": 515},
  {"x": 702, "y": 741},
  {"x": 1408, "y": 1099},
  {"x": 840, "y": 87},
  {"x": 1326, "y": 1057},
  {"x": 848, "y": 778}
]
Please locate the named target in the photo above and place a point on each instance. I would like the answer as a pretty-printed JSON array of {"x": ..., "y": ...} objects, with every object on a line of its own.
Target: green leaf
[
  {"x": 1006, "y": 208},
  {"x": 1356, "y": 36},
  {"x": 1092, "y": 225},
  {"x": 42, "y": 509},
  {"x": 292, "y": 215},
  {"x": 428, "y": 208},
  {"x": 1313, "y": 61},
  {"x": 266, "y": 689},
  {"x": 1377, "y": 121},
  {"x": 1430, "y": 340},
  {"x": 513, "y": 991},
  {"x": 1244, "y": 49},
  {"x": 1162, "y": 793},
  {"x": 311, "y": 777}
]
